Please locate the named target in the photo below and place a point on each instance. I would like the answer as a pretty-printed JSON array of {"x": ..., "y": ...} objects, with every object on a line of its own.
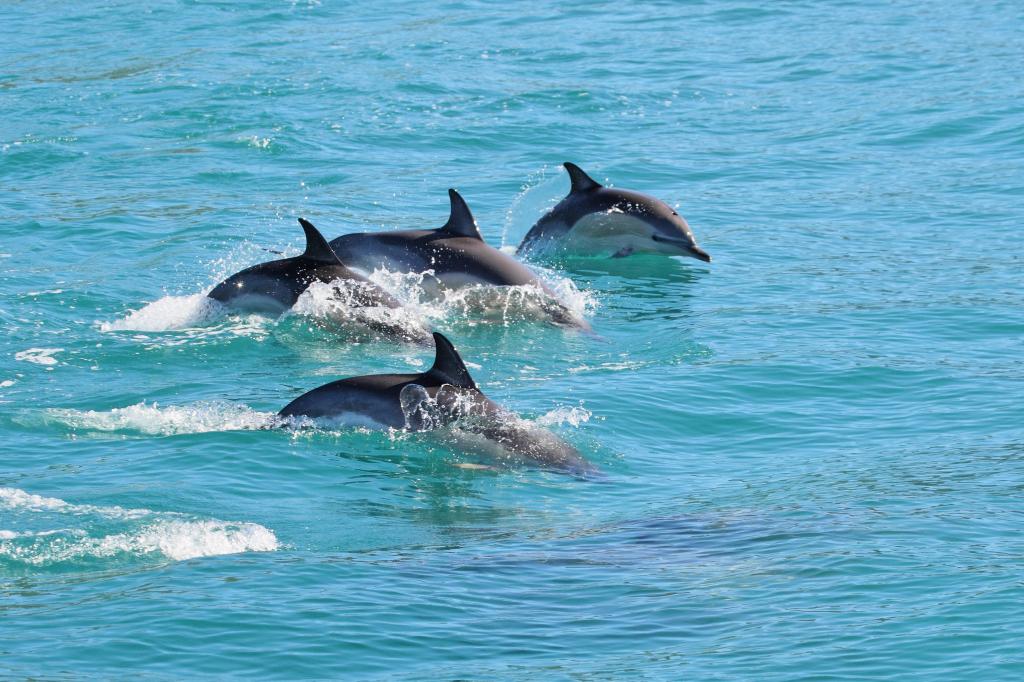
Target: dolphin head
[
  {"x": 672, "y": 235},
  {"x": 628, "y": 222},
  {"x": 274, "y": 286},
  {"x": 661, "y": 229}
]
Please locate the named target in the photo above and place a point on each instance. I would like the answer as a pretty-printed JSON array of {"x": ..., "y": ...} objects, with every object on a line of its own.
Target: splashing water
[
  {"x": 169, "y": 313},
  {"x": 470, "y": 423},
  {"x": 152, "y": 419},
  {"x": 564, "y": 416},
  {"x": 455, "y": 418},
  {"x": 505, "y": 305},
  {"x": 87, "y": 532},
  {"x": 338, "y": 307},
  {"x": 540, "y": 191}
]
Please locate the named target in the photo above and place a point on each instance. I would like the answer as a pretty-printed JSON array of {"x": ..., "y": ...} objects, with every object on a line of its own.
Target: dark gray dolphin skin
[
  {"x": 443, "y": 396},
  {"x": 456, "y": 253},
  {"x": 597, "y": 220},
  {"x": 275, "y": 286}
]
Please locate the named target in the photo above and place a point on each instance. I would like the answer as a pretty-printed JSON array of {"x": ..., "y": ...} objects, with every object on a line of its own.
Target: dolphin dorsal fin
[
  {"x": 581, "y": 182},
  {"x": 317, "y": 247},
  {"x": 448, "y": 366},
  {"x": 461, "y": 221}
]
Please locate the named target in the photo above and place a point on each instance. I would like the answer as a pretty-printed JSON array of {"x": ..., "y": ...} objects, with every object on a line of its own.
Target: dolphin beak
[
  {"x": 691, "y": 250},
  {"x": 700, "y": 254}
]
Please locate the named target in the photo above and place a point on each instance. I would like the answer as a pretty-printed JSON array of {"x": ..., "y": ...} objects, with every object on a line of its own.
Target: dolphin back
[{"x": 379, "y": 397}]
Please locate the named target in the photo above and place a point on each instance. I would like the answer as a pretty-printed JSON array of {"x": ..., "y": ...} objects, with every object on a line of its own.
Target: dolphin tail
[{"x": 448, "y": 365}]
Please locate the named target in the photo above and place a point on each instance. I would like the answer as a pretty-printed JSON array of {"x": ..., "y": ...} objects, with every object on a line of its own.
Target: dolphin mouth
[
  {"x": 700, "y": 254},
  {"x": 690, "y": 250}
]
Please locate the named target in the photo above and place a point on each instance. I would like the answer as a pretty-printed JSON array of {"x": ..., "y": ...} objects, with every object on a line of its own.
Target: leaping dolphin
[
  {"x": 275, "y": 286},
  {"x": 443, "y": 399},
  {"x": 455, "y": 253},
  {"x": 597, "y": 220}
]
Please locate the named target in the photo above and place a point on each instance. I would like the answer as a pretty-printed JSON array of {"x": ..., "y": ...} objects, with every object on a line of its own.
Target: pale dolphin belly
[
  {"x": 256, "y": 303},
  {"x": 607, "y": 233}
]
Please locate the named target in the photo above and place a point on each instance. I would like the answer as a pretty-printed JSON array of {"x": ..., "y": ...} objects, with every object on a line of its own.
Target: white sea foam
[
  {"x": 152, "y": 419},
  {"x": 180, "y": 540},
  {"x": 39, "y": 356},
  {"x": 419, "y": 293},
  {"x": 175, "y": 539},
  {"x": 338, "y": 305},
  {"x": 561, "y": 416},
  {"x": 139, "y": 532},
  {"x": 169, "y": 313},
  {"x": 14, "y": 498},
  {"x": 257, "y": 141},
  {"x": 607, "y": 366}
]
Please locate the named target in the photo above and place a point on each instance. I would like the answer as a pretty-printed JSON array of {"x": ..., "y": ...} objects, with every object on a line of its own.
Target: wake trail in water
[
  {"x": 169, "y": 313},
  {"x": 153, "y": 420},
  {"x": 52, "y": 531}
]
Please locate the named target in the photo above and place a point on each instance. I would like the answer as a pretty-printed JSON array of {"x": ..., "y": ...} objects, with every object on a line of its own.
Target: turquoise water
[{"x": 813, "y": 448}]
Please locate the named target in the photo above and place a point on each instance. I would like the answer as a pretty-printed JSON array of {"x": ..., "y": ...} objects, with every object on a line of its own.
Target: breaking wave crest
[{"x": 52, "y": 531}]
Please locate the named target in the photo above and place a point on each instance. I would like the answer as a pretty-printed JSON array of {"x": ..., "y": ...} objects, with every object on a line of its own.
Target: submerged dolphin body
[
  {"x": 597, "y": 220},
  {"x": 275, "y": 286},
  {"x": 456, "y": 254},
  {"x": 443, "y": 399}
]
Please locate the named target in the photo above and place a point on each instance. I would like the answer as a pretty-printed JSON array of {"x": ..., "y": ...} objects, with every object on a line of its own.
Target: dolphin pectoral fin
[
  {"x": 581, "y": 182},
  {"x": 474, "y": 466},
  {"x": 461, "y": 222},
  {"x": 317, "y": 248}
]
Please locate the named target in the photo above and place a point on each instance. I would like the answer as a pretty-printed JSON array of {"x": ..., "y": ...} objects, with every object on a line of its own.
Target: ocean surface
[{"x": 811, "y": 450}]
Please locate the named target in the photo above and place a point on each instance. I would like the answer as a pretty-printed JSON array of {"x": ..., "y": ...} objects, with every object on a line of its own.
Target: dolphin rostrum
[
  {"x": 597, "y": 220},
  {"x": 445, "y": 400},
  {"x": 275, "y": 286},
  {"x": 456, "y": 255}
]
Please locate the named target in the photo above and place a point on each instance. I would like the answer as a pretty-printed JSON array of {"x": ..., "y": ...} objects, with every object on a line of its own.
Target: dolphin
[
  {"x": 275, "y": 286},
  {"x": 456, "y": 254},
  {"x": 444, "y": 400},
  {"x": 593, "y": 219}
]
